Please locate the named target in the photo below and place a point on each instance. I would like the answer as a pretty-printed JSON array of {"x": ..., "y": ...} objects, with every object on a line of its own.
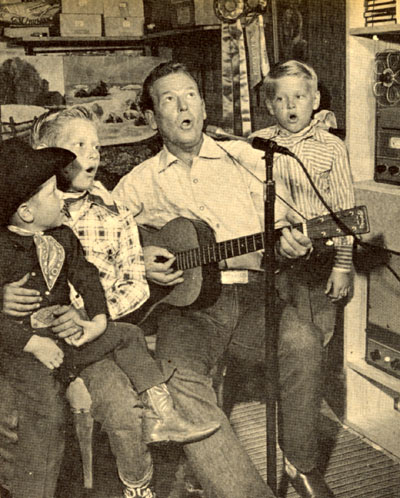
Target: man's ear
[
  {"x": 25, "y": 213},
  {"x": 203, "y": 106},
  {"x": 151, "y": 120},
  {"x": 317, "y": 99},
  {"x": 270, "y": 107}
]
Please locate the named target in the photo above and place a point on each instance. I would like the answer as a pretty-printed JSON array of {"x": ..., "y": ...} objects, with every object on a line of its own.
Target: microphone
[{"x": 257, "y": 142}]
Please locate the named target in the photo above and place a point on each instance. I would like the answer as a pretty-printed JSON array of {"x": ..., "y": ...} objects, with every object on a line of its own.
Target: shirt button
[
  {"x": 47, "y": 293},
  {"x": 195, "y": 180},
  {"x": 33, "y": 274},
  {"x": 201, "y": 208}
]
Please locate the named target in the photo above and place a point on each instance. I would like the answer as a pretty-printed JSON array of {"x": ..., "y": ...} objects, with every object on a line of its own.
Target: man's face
[
  {"x": 293, "y": 103},
  {"x": 80, "y": 137},
  {"x": 179, "y": 111}
]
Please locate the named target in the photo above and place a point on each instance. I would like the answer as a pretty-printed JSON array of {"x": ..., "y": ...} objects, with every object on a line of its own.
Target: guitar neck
[
  {"x": 354, "y": 220},
  {"x": 214, "y": 253}
]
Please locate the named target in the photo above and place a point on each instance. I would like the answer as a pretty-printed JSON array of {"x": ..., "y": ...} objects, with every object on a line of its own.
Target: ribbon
[
  {"x": 258, "y": 57},
  {"x": 235, "y": 92}
]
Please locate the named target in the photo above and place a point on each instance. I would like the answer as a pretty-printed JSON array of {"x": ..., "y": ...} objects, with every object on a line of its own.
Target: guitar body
[{"x": 201, "y": 285}]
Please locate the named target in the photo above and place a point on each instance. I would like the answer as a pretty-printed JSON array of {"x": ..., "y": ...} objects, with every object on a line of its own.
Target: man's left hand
[
  {"x": 293, "y": 244},
  {"x": 65, "y": 324}
]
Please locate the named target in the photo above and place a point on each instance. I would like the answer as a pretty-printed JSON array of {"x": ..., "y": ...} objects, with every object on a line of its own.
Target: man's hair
[
  {"x": 163, "y": 69},
  {"x": 289, "y": 68},
  {"x": 49, "y": 126}
]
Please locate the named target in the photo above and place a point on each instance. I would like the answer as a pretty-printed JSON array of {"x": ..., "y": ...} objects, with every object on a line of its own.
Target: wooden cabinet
[{"x": 372, "y": 399}]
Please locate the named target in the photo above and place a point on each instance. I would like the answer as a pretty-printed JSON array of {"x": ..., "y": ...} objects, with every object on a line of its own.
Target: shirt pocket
[{"x": 103, "y": 250}]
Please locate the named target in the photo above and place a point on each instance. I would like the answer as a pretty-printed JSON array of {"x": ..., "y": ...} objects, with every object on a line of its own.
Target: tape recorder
[{"x": 387, "y": 92}]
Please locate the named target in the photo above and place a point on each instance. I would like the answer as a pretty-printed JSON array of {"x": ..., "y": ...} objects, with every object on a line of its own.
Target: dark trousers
[
  {"x": 41, "y": 417},
  {"x": 194, "y": 341},
  {"x": 126, "y": 344}
]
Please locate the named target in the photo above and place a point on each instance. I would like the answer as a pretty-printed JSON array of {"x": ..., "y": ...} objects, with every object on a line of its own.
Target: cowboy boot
[{"x": 162, "y": 423}]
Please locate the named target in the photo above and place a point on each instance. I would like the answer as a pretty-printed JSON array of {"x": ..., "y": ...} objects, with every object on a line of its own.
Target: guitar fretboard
[
  {"x": 355, "y": 219},
  {"x": 214, "y": 253}
]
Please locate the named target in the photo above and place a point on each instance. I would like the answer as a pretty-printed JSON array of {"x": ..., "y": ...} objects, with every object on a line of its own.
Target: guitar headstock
[{"x": 325, "y": 227}]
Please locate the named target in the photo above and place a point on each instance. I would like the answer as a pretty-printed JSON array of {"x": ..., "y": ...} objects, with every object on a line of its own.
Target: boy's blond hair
[
  {"x": 290, "y": 68},
  {"x": 49, "y": 126}
]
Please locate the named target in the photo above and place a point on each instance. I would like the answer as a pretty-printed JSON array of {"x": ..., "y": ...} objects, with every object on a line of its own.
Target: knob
[
  {"x": 381, "y": 168},
  {"x": 394, "y": 170},
  {"x": 395, "y": 364},
  {"x": 375, "y": 355}
]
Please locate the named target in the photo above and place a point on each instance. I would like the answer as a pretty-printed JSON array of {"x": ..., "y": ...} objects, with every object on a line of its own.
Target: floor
[{"x": 353, "y": 468}]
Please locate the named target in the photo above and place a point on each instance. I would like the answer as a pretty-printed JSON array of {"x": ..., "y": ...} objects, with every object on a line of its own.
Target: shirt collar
[
  {"x": 322, "y": 120},
  {"x": 99, "y": 196},
  {"x": 26, "y": 242},
  {"x": 209, "y": 150}
]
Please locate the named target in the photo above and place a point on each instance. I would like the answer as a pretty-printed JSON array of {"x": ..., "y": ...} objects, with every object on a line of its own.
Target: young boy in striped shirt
[{"x": 292, "y": 97}]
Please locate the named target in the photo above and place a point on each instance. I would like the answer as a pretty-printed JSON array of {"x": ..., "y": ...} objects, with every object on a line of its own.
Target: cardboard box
[
  {"x": 192, "y": 13},
  {"x": 204, "y": 13},
  {"x": 82, "y": 6},
  {"x": 80, "y": 24},
  {"x": 123, "y": 8},
  {"x": 124, "y": 26}
]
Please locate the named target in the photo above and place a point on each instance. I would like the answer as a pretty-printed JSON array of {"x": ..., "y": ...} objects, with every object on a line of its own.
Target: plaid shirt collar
[{"x": 97, "y": 195}]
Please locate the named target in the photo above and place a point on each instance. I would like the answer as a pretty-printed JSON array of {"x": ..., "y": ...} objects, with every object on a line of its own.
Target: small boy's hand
[
  {"x": 45, "y": 350},
  {"x": 92, "y": 329},
  {"x": 338, "y": 285}
]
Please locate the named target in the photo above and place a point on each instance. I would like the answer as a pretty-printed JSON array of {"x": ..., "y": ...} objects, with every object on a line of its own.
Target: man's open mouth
[
  {"x": 91, "y": 169},
  {"x": 186, "y": 123}
]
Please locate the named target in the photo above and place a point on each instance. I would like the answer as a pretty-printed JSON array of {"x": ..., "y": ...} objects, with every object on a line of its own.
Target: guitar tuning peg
[{"x": 329, "y": 242}]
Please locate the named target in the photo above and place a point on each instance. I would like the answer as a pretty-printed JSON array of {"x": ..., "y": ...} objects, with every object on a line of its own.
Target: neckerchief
[{"x": 50, "y": 253}]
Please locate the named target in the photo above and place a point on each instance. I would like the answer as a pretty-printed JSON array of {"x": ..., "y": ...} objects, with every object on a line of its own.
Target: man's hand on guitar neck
[
  {"x": 159, "y": 266},
  {"x": 292, "y": 243}
]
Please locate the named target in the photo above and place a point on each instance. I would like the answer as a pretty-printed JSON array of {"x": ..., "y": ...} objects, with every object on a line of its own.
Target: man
[{"x": 195, "y": 177}]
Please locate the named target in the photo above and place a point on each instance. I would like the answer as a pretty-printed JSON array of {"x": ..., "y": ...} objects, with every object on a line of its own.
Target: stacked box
[
  {"x": 82, "y": 6},
  {"x": 123, "y": 18},
  {"x": 123, "y": 8},
  {"x": 81, "y": 17},
  {"x": 80, "y": 24},
  {"x": 123, "y": 26}
]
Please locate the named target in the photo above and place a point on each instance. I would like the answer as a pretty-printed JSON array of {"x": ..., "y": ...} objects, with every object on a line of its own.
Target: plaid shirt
[{"x": 109, "y": 235}]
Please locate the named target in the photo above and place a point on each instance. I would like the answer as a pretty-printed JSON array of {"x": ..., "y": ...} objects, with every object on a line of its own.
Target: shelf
[
  {"x": 375, "y": 374},
  {"x": 386, "y": 32},
  {"x": 56, "y": 44}
]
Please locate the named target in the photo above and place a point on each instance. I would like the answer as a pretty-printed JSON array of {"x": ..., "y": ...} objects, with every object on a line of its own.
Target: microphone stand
[{"x": 271, "y": 332}]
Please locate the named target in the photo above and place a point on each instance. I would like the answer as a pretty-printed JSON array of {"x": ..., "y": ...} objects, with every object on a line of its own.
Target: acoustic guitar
[{"x": 198, "y": 254}]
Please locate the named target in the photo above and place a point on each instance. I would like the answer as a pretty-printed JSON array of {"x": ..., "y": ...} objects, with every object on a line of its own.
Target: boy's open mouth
[{"x": 292, "y": 117}]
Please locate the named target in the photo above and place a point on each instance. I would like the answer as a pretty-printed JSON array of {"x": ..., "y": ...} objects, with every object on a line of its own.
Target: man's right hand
[
  {"x": 158, "y": 262},
  {"x": 19, "y": 301}
]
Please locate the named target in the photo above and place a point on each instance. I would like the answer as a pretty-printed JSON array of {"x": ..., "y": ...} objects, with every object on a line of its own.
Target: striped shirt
[
  {"x": 109, "y": 235},
  {"x": 326, "y": 160}
]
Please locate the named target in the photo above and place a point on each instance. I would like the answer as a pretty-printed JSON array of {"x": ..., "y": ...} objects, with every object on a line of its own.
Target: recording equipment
[
  {"x": 383, "y": 326},
  {"x": 387, "y": 151},
  {"x": 387, "y": 92},
  {"x": 256, "y": 142}
]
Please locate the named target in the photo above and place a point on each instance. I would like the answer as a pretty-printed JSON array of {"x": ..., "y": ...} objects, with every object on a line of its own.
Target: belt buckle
[{"x": 230, "y": 277}]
